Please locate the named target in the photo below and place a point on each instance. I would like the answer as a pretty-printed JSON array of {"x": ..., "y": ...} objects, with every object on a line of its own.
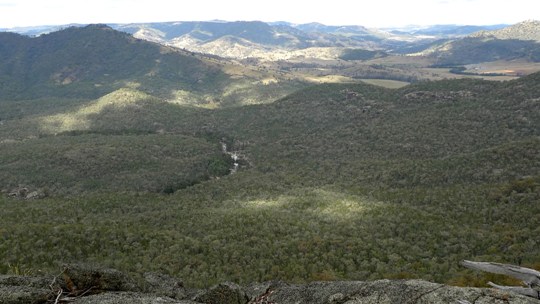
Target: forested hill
[
  {"x": 342, "y": 130},
  {"x": 89, "y": 62},
  {"x": 394, "y": 137},
  {"x": 519, "y": 41}
]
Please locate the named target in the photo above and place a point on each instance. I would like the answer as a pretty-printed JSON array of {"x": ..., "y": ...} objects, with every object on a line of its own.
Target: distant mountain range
[
  {"x": 258, "y": 39},
  {"x": 217, "y": 29},
  {"x": 442, "y": 45},
  {"x": 444, "y": 30},
  {"x": 242, "y": 39}
]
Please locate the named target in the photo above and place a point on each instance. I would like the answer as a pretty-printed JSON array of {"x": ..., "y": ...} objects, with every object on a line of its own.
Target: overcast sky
[{"x": 372, "y": 13}]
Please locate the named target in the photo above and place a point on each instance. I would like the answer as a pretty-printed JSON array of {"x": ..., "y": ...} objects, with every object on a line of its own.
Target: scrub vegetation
[
  {"x": 336, "y": 181},
  {"x": 146, "y": 158}
]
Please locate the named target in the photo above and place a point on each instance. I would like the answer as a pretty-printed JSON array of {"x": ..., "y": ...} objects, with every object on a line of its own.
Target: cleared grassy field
[
  {"x": 444, "y": 73},
  {"x": 390, "y": 84},
  {"x": 518, "y": 67},
  {"x": 510, "y": 70}
]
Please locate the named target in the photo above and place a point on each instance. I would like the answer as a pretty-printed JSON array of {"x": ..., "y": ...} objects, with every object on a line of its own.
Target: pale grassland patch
[
  {"x": 80, "y": 118},
  {"x": 386, "y": 83}
]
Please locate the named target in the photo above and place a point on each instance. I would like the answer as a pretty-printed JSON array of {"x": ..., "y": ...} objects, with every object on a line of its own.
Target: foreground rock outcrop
[{"x": 87, "y": 285}]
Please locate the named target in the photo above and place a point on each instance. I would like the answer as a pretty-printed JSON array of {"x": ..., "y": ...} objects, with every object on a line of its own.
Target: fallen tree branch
[
  {"x": 56, "y": 290},
  {"x": 60, "y": 291},
  {"x": 529, "y": 277}
]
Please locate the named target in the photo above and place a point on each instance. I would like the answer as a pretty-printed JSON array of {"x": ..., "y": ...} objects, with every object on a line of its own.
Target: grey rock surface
[
  {"x": 81, "y": 277},
  {"x": 113, "y": 287},
  {"x": 28, "y": 281},
  {"x": 128, "y": 298},
  {"x": 387, "y": 291},
  {"x": 224, "y": 293},
  {"x": 24, "y": 289},
  {"x": 164, "y": 285},
  {"x": 22, "y": 295}
]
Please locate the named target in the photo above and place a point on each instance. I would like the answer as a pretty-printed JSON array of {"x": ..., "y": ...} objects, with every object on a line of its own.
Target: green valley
[{"x": 148, "y": 158}]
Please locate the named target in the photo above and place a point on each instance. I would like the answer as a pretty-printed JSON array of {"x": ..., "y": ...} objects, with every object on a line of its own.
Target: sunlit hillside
[{"x": 519, "y": 41}]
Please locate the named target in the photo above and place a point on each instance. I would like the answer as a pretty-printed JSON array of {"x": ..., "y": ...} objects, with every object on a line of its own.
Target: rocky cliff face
[{"x": 87, "y": 285}]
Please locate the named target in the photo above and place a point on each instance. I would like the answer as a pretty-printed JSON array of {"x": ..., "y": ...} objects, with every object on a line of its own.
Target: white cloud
[{"x": 370, "y": 13}]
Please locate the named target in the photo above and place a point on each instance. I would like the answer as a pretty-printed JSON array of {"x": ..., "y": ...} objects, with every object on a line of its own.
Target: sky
[{"x": 372, "y": 13}]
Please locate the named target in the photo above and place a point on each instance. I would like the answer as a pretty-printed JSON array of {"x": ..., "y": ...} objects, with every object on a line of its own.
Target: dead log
[{"x": 529, "y": 277}]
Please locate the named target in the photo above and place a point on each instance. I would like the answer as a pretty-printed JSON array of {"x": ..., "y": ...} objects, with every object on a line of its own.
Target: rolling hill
[
  {"x": 519, "y": 41},
  {"x": 254, "y": 31},
  {"x": 244, "y": 39},
  {"x": 89, "y": 62},
  {"x": 526, "y": 30}
]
